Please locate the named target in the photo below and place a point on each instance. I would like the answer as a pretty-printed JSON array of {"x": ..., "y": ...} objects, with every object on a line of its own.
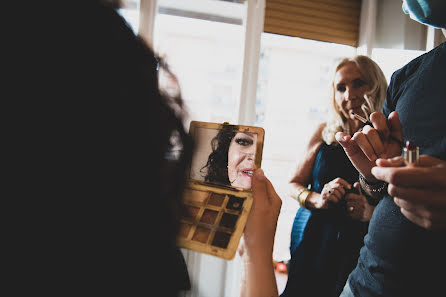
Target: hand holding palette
[{"x": 218, "y": 197}]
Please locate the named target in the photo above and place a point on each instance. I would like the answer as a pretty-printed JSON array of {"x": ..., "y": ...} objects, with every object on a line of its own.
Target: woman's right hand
[
  {"x": 366, "y": 146},
  {"x": 332, "y": 193},
  {"x": 262, "y": 220},
  {"x": 258, "y": 278}
]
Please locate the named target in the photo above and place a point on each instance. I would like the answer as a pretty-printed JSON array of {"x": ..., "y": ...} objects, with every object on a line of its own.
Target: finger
[
  {"x": 364, "y": 144},
  {"x": 379, "y": 122},
  {"x": 420, "y": 221},
  {"x": 358, "y": 187},
  {"x": 396, "y": 129},
  {"x": 353, "y": 210},
  {"x": 352, "y": 197},
  {"x": 259, "y": 189},
  {"x": 428, "y": 161},
  {"x": 374, "y": 138},
  {"x": 337, "y": 186},
  {"x": 414, "y": 177},
  {"x": 392, "y": 162},
  {"x": 337, "y": 194},
  {"x": 418, "y": 196},
  {"x": 331, "y": 195},
  {"x": 273, "y": 196},
  {"x": 349, "y": 145},
  {"x": 342, "y": 182},
  {"x": 410, "y": 206}
]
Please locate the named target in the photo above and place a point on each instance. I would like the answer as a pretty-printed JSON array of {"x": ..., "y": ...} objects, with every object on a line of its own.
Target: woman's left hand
[{"x": 357, "y": 206}]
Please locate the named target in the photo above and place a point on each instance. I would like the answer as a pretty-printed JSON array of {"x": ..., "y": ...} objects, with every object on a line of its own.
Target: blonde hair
[{"x": 373, "y": 76}]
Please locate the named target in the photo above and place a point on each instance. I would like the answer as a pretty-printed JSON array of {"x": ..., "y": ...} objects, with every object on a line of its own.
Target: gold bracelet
[{"x": 303, "y": 197}]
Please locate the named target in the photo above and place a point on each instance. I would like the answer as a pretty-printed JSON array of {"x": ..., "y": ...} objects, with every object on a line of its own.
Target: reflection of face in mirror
[
  {"x": 241, "y": 157},
  {"x": 232, "y": 159}
]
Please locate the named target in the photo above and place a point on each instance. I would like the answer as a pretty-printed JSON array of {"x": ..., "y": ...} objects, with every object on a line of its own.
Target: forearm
[{"x": 258, "y": 276}]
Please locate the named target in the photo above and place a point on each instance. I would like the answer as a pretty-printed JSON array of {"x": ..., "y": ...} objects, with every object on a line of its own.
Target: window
[
  {"x": 392, "y": 59},
  {"x": 203, "y": 43},
  {"x": 130, "y": 11}
]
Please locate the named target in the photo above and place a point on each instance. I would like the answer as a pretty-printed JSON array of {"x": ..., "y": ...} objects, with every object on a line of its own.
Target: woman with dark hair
[
  {"x": 96, "y": 186},
  {"x": 232, "y": 159},
  {"x": 92, "y": 149},
  {"x": 216, "y": 168}
]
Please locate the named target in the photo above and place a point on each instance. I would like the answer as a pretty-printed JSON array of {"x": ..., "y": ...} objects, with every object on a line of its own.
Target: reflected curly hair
[{"x": 216, "y": 168}]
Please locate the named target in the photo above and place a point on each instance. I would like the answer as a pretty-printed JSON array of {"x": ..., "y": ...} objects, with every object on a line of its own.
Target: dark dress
[{"x": 325, "y": 244}]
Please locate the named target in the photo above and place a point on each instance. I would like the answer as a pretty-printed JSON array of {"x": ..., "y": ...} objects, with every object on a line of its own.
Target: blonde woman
[{"x": 329, "y": 227}]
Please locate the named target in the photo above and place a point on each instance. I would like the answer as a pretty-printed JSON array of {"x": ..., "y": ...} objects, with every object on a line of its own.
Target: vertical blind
[{"x": 334, "y": 21}]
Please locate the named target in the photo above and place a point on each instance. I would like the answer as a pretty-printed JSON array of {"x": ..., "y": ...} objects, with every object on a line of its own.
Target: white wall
[{"x": 396, "y": 30}]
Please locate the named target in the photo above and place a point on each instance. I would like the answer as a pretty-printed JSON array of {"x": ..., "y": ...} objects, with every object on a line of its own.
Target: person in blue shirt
[{"x": 404, "y": 248}]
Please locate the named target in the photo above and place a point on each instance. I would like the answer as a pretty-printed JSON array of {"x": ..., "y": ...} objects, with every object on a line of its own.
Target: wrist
[
  {"x": 257, "y": 255},
  {"x": 302, "y": 196},
  {"x": 373, "y": 189}
]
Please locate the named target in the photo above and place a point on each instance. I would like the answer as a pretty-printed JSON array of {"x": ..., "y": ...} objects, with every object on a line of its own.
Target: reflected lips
[{"x": 248, "y": 171}]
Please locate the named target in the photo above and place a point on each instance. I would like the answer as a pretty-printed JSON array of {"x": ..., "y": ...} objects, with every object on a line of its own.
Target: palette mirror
[{"x": 218, "y": 198}]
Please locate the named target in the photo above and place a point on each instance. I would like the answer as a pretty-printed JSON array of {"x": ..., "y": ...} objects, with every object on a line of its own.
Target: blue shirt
[{"x": 400, "y": 258}]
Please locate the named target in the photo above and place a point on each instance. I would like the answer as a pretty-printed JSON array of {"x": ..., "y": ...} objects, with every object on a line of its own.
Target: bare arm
[
  {"x": 332, "y": 192},
  {"x": 258, "y": 273},
  {"x": 302, "y": 175}
]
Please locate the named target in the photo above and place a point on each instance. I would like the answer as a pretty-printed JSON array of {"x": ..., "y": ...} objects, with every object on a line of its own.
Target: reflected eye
[
  {"x": 340, "y": 88},
  {"x": 243, "y": 141}
]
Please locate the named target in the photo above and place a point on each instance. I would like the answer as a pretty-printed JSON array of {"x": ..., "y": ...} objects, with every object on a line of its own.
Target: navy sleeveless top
[{"x": 325, "y": 244}]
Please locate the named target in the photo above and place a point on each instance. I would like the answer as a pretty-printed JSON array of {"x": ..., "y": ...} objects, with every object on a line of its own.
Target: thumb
[
  {"x": 429, "y": 161},
  {"x": 395, "y": 126},
  {"x": 273, "y": 198},
  {"x": 259, "y": 188},
  {"x": 358, "y": 187}
]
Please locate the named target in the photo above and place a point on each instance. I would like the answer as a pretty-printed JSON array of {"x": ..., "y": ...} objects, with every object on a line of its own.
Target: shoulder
[
  {"x": 419, "y": 62},
  {"x": 316, "y": 138},
  {"x": 423, "y": 67}
]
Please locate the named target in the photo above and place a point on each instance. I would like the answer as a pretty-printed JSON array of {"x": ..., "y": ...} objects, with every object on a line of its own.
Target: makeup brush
[{"x": 367, "y": 122}]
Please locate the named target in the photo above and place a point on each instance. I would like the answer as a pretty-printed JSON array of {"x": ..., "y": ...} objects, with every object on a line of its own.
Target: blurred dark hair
[
  {"x": 216, "y": 168},
  {"x": 94, "y": 147}
]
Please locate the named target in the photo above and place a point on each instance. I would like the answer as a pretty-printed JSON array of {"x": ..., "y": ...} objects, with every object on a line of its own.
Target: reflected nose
[{"x": 249, "y": 156}]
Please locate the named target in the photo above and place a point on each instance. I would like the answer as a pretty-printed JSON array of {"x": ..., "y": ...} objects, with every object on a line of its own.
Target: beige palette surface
[
  {"x": 218, "y": 197},
  {"x": 212, "y": 222}
]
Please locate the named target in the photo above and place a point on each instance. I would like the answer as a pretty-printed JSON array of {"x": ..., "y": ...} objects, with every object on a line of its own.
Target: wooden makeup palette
[{"x": 213, "y": 216}]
